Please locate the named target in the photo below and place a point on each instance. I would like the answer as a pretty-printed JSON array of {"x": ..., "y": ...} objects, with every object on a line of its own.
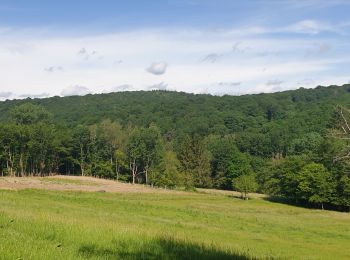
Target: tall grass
[{"x": 39, "y": 224}]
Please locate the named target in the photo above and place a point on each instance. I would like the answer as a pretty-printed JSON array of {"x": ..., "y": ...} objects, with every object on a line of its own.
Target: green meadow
[{"x": 42, "y": 224}]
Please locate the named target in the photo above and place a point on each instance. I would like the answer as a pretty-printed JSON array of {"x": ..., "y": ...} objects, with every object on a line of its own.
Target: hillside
[
  {"x": 47, "y": 224},
  {"x": 292, "y": 144},
  {"x": 199, "y": 113}
]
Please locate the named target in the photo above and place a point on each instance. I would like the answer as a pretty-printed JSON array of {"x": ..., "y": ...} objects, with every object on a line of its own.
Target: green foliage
[
  {"x": 344, "y": 191},
  {"x": 245, "y": 184},
  {"x": 195, "y": 161},
  {"x": 315, "y": 184},
  {"x": 27, "y": 114},
  {"x": 227, "y": 161},
  {"x": 167, "y": 174},
  {"x": 210, "y": 140},
  {"x": 281, "y": 178}
]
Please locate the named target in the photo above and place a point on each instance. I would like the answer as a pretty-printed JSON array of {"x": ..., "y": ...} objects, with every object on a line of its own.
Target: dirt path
[{"x": 74, "y": 183}]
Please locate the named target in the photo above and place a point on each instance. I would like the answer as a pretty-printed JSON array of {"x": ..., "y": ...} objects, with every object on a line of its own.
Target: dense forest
[{"x": 293, "y": 144}]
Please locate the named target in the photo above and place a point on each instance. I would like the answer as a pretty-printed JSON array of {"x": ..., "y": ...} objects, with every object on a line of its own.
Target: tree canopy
[{"x": 293, "y": 143}]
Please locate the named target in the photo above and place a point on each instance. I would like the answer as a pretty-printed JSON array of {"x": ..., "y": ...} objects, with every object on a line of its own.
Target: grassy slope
[{"x": 38, "y": 224}]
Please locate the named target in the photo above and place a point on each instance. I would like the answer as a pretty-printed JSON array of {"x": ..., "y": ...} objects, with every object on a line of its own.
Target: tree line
[{"x": 275, "y": 151}]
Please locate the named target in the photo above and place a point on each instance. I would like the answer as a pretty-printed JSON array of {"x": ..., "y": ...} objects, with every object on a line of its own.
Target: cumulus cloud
[
  {"x": 157, "y": 68},
  {"x": 75, "y": 91}
]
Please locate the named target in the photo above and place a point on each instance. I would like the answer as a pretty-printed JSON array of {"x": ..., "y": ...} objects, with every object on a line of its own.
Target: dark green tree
[{"x": 315, "y": 184}]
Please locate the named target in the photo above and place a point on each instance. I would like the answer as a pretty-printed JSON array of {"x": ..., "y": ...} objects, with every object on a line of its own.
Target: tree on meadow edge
[
  {"x": 195, "y": 161},
  {"x": 245, "y": 184},
  {"x": 81, "y": 139},
  {"x": 115, "y": 138},
  {"x": 315, "y": 184},
  {"x": 227, "y": 161},
  {"x": 144, "y": 148},
  {"x": 167, "y": 174}
]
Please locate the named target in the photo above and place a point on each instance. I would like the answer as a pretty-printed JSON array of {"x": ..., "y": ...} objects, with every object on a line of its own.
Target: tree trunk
[
  {"x": 10, "y": 164},
  {"x": 82, "y": 169},
  {"x": 133, "y": 171},
  {"x": 81, "y": 160},
  {"x": 146, "y": 175},
  {"x": 116, "y": 168},
  {"x": 21, "y": 164}
]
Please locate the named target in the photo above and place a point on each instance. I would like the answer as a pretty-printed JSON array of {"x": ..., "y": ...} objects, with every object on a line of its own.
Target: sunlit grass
[
  {"x": 53, "y": 180},
  {"x": 38, "y": 224}
]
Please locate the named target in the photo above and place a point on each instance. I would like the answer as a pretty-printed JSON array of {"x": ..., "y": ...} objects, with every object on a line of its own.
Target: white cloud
[
  {"x": 310, "y": 27},
  {"x": 75, "y": 91},
  {"x": 247, "y": 55},
  {"x": 157, "y": 68}
]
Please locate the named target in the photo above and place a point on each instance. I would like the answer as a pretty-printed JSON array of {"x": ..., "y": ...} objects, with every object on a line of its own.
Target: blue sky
[{"x": 201, "y": 46}]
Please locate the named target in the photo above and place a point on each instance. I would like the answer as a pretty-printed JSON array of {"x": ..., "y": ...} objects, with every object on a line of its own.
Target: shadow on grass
[
  {"x": 305, "y": 205},
  {"x": 157, "y": 249}
]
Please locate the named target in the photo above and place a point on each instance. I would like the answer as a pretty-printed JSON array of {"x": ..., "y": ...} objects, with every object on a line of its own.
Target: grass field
[{"x": 44, "y": 224}]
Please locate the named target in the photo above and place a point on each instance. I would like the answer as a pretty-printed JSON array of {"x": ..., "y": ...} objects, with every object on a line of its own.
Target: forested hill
[
  {"x": 293, "y": 144},
  {"x": 296, "y": 110}
]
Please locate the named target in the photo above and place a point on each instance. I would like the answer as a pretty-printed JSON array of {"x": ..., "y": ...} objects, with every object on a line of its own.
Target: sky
[{"x": 77, "y": 47}]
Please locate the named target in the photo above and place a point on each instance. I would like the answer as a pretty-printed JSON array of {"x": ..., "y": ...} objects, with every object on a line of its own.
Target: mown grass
[
  {"x": 67, "y": 181},
  {"x": 41, "y": 224}
]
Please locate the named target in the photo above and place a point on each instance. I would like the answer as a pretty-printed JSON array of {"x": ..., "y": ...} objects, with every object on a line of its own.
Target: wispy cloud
[
  {"x": 212, "y": 57},
  {"x": 52, "y": 69},
  {"x": 241, "y": 59},
  {"x": 229, "y": 84},
  {"x": 310, "y": 27}
]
